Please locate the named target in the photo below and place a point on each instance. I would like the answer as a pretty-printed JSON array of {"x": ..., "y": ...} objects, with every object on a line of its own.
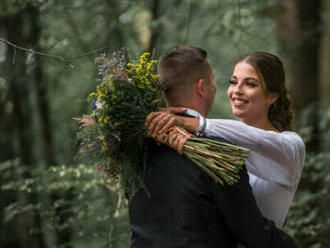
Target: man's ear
[{"x": 200, "y": 88}]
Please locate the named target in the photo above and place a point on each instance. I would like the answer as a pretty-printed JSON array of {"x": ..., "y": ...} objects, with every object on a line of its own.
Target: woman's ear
[{"x": 272, "y": 98}]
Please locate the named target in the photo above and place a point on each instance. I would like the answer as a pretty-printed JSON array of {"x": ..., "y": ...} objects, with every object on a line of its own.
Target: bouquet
[{"x": 113, "y": 136}]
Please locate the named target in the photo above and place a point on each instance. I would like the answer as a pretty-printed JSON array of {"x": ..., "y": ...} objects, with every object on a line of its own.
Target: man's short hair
[{"x": 182, "y": 66}]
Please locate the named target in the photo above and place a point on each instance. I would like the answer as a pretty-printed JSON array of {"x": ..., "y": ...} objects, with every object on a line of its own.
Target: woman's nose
[{"x": 238, "y": 89}]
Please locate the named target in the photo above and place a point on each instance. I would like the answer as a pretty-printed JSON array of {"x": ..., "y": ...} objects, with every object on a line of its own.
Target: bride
[{"x": 259, "y": 98}]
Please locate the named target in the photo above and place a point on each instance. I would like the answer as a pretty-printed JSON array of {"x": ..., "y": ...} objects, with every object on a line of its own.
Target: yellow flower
[
  {"x": 143, "y": 58},
  {"x": 105, "y": 144},
  {"x": 99, "y": 94},
  {"x": 155, "y": 76},
  {"x": 91, "y": 96}
]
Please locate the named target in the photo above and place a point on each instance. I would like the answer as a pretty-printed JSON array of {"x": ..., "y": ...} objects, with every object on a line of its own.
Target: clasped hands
[{"x": 159, "y": 122}]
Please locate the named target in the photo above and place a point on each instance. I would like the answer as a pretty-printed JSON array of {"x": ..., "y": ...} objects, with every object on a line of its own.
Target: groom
[{"x": 186, "y": 208}]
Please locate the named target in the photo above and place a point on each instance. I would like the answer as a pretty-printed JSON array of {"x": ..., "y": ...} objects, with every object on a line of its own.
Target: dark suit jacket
[{"x": 188, "y": 209}]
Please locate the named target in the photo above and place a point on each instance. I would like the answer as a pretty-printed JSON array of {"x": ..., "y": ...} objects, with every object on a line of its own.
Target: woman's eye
[
  {"x": 232, "y": 82},
  {"x": 251, "y": 84}
]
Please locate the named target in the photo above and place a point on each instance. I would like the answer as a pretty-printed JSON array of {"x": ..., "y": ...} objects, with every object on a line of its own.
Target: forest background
[{"x": 47, "y": 52}]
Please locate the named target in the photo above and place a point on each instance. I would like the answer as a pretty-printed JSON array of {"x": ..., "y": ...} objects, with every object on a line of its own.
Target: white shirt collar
[{"x": 193, "y": 113}]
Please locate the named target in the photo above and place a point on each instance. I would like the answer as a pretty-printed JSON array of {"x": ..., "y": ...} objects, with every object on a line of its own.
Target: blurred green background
[{"x": 50, "y": 200}]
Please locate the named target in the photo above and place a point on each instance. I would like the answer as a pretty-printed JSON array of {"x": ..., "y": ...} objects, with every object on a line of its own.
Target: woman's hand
[{"x": 159, "y": 122}]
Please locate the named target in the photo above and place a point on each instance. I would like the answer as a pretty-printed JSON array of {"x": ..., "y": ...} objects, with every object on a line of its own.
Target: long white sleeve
[{"x": 274, "y": 157}]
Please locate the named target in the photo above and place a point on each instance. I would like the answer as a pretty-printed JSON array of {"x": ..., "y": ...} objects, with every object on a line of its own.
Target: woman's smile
[{"x": 239, "y": 102}]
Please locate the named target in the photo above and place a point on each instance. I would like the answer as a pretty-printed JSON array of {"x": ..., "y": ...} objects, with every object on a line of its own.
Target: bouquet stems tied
[{"x": 220, "y": 160}]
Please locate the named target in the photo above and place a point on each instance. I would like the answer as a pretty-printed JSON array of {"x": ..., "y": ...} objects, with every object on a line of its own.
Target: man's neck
[{"x": 192, "y": 109}]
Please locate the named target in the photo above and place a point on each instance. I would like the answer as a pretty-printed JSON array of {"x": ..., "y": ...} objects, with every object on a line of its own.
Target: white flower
[{"x": 99, "y": 104}]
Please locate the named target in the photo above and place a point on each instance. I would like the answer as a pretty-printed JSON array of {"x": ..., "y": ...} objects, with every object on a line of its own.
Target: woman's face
[{"x": 247, "y": 95}]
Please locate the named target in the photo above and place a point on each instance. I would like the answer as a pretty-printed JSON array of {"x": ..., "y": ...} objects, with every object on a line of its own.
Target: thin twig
[
  {"x": 84, "y": 54},
  {"x": 64, "y": 59},
  {"x": 68, "y": 36},
  {"x": 14, "y": 58}
]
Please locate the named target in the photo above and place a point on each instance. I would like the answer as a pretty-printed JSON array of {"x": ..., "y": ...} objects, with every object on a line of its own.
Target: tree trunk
[
  {"x": 299, "y": 32},
  {"x": 7, "y": 130},
  {"x": 325, "y": 57},
  {"x": 115, "y": 36},
  {"x": 19, "y": 29},
  {"x": 19, "y": 89},
  {"x": 155, "y": 26},
  {"x": 41, "y": 91}
]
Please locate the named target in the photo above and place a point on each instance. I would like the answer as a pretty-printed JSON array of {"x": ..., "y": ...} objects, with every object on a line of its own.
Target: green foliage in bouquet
[
  {"x": 113, "y": 137},
  {"x": 128, "y": 94}
]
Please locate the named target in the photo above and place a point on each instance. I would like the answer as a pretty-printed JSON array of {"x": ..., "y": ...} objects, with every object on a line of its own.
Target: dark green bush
[{"x": 75, "y": 205}]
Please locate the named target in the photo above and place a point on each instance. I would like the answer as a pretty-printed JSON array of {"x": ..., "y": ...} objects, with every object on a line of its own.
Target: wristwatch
[{"x": 201, "y": 128}]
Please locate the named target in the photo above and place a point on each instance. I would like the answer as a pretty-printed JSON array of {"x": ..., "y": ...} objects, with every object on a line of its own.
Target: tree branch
[
  {"x": 68, "y": 36},
  {"x": 64, "y": 59}
]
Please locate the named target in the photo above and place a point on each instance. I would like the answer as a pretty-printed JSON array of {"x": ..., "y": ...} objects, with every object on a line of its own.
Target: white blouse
[{"x": 275, "y": 163}]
